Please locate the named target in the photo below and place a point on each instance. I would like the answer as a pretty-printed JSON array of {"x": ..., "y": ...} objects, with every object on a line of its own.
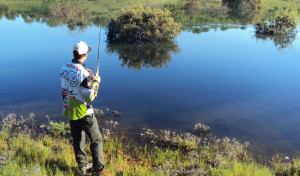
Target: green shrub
[
  {"x": 59, "y": 129},
  {"x": 282, "y": 24},
  {"x": 143, "y": 25},
  {"x": 281, "y": 29},
  {"x": 245, "y": 11},
  {"x": 191, "y": 8},
  {"x": 245, "y": 4}
]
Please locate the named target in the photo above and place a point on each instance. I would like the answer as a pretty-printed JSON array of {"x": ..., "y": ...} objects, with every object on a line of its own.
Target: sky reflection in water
[{"x": 239, "y": 86}]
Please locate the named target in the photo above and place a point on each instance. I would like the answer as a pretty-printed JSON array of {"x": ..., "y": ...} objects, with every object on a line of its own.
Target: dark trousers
[{"x": 87, "y": 125}]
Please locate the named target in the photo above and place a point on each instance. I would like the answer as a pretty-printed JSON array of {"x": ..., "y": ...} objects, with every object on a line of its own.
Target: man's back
[{"x": 78, "y": 90}]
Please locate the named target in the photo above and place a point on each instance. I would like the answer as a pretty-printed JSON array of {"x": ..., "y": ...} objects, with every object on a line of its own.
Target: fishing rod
[{"x": 98, "y": 57}]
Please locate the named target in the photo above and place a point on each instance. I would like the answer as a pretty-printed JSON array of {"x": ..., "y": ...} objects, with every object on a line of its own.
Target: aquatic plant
[{"x": 141, "y": 24}]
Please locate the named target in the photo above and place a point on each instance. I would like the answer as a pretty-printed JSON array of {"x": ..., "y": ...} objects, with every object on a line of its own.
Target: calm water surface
[{"x": 238, "y": 85}]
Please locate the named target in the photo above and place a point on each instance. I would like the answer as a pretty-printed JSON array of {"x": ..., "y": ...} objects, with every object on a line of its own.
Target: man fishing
[{"x": 79, "y": 89}]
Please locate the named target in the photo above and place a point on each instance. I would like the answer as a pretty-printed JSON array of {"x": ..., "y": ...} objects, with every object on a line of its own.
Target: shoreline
[{"x": 46, "y": 150}]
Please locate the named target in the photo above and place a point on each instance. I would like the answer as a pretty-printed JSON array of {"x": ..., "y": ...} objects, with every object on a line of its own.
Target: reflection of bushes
[
  {"x": 280, "y": 41},
  {"x": 75, "y": 15},
  {"x": 219, "y": 10},
  {"x": 246, "y": 17},
  {"x": 148, "y": 55},
  {"x": 282, "y": 31},
  {"x": 215, "y": 10},
  {"x": 200, "y": 29},
  {"x": 245, "y": 11},
  {"x": 143, "y": 25},
  {"x": 245, "y": 4},
  {"x": 191, "y": 8},
  {"x": 250, "y": 5},
  {"x": 3, "y": 10}
]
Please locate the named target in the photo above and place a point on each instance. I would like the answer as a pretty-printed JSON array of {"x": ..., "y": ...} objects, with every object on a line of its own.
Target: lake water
[{"x": 240, "y": 86}]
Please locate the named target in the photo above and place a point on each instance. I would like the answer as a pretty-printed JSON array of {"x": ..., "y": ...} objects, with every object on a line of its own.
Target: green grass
[
  {"x": 283, "y": 3},
  {"x": 242, "y": 169},
  {"x": 38, "y": 10},
  {"x": 46, "y": 155}
]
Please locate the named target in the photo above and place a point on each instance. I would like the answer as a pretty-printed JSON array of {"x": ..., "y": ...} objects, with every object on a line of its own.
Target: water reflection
[
  {"x": 137, "y": 56},
  {"x": 75, "y": 15},
  {"x": 280, "y": 41},
  {"x": 246, "y": 16},
  {"x": 191, "y": 13},
  {"x": 216, "y": 10},
  {"x": 3, "y": 10},
  {"x": 29, "y": 13},
  {"x": 244, "y": 12},
  {"x": 205, "y": 14},
  {"x": 191, "y": 9}
]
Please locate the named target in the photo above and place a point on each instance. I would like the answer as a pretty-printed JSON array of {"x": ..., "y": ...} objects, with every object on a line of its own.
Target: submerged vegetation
[
  {"x": 31, "y": 149},
  {"x": 141, "y": 25}
]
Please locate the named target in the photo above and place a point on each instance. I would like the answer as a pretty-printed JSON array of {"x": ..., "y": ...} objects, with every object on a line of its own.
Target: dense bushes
[
  {"x": 282, "y": 30},
  {"x": 191, "y": 8},
  {"x": 245, "y": 4},
  {"x": 143, "y": 25},
  {"x": 282, "y": 24},
  {"x": 245, "y": 11}
]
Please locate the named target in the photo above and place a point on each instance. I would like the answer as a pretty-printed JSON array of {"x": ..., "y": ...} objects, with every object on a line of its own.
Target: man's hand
[
  {"x": 95, "y": 78},
  {"x": 90, "y": 71}
]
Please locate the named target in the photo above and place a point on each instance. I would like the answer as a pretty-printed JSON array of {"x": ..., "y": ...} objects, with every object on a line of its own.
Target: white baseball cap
[{"x": 82, "y": 48}]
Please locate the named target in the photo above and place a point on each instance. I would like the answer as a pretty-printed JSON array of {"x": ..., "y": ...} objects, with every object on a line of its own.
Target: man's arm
[{"x": 89, "y": 87}]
